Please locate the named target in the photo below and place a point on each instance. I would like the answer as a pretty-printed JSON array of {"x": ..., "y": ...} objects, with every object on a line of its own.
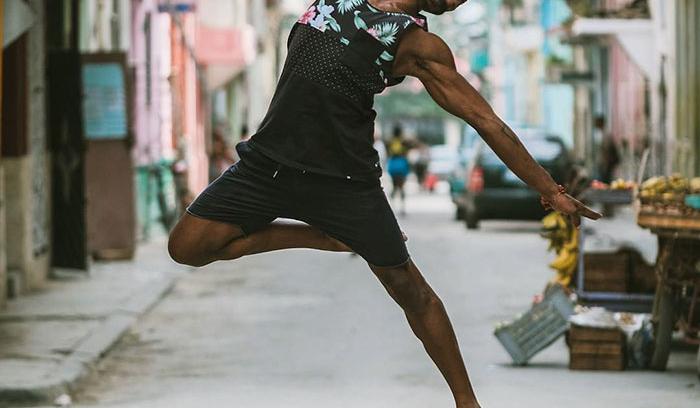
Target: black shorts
[{"x": 257, "y": 190}]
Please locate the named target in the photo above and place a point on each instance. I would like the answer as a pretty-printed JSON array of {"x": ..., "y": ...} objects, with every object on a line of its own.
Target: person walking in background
[
  {"x": 608, "y": 158},
  {"x": 398, "y": 166},
  {"x": 245, "y": 134},
  {"x": 422, "y": 161},
  {"x": 221, "y": 156},
  {"x": 609, "y": 155},
  {"x": 312, "y": 160},
  {"x": 380, "y": 147}
]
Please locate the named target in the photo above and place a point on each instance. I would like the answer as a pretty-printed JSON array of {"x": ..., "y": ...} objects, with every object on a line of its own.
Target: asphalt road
[{"x": 310, "y": 329}]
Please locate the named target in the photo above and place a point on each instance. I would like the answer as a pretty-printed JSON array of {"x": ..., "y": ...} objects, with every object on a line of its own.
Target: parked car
[
  {"x": 470, "y": 139},
  {"x": 457, "y": 177},
  {"x": 492, "y": 191}
]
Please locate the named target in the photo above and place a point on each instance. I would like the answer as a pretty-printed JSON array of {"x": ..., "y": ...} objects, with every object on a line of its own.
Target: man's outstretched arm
[{"x": 426, "y": 57}]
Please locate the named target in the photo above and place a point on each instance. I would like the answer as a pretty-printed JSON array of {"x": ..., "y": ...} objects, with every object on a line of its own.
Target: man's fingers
[
  {"x": 588, "y": 213},
  {"x": 576, "y": 220},
  {"x": 581, "y": 209}
]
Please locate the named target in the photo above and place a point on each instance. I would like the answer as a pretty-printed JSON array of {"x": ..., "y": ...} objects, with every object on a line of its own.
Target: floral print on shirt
[
  {"x": 345, "y": 17},
  {"x": 342, "y": 15}
]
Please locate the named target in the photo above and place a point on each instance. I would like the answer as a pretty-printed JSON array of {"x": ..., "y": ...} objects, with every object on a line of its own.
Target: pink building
[
  {"x": 150, "y": 59},
  {"x": 628, "y": 103},
  {"x": 628, "y": 88},
  {"x": 169, "y": 119}
]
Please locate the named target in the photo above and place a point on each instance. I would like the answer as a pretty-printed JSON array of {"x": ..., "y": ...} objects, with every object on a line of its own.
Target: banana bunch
[
  {"x": 554, "y": 229},
  {"x": 667, "y": 189},
  {"x": 695, "y": 185},
  {"x": 622, "y": 184},
  {"x": 653, "y": 187},
  {"x": 564, "y": 240},
  {"x": 678, "y": 183}
]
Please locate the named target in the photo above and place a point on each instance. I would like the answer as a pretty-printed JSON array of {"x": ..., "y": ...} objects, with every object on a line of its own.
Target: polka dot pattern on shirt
[{"x": 317, "y": 57}]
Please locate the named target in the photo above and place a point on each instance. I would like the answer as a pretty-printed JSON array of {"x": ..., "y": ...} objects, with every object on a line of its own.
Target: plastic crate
[{"x": 538, "y": 328}]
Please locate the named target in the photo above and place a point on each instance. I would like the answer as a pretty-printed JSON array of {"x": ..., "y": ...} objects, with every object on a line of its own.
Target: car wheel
[{"x": 471, "y": 220}]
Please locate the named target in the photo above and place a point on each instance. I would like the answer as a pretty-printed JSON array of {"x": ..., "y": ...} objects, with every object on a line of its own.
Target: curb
[{"x": 79, "y": 363}]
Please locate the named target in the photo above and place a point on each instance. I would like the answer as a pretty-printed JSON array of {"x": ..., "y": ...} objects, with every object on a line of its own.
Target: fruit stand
[
  {"x": 669, "y": 208},
  {"x": 617, "y": 306},
  {"x": 617, "y": 280}
]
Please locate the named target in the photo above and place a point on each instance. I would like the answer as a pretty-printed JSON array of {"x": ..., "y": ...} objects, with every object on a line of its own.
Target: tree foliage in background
[{"x": 398, "y": 103}]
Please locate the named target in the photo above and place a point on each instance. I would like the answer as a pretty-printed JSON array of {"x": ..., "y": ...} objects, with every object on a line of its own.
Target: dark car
[
  {"x": 456, "y": 179},
  {"x": 494, "y": 192}
]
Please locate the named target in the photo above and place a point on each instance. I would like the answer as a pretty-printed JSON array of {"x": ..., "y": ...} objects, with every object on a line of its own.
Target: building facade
[
  {"x": 25, "y": 157},
  {"x": 640, "y": 62},
  {"x": 684, "y": 80},
  {"x": 108, "y": 115}
]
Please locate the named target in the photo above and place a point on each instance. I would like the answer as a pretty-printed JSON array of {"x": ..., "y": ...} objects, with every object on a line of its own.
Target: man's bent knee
[
  {"x": 183, "y": 253},
  {"x": 197, "y": 242},
  {"x": 407, "y": 287}
]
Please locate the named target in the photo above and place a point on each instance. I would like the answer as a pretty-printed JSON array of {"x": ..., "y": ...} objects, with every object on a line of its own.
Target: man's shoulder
[{"x": 418, "y": 45}]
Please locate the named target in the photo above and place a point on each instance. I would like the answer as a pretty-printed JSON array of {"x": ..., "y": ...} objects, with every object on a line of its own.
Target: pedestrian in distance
[
  {"x": 422, "y": 161},
  {"x": 312, "y": 159},
  {"x": 398, "y": 166},
  {"x": 608, "y": 158},
  {"x": 221, "y": 156},
  {"x": 608, "y": 153},
  {"x": 380, "y": 147}
]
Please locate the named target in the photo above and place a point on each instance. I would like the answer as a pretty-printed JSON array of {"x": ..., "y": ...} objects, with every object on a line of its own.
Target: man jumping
[{"x": 312, "y": 159}]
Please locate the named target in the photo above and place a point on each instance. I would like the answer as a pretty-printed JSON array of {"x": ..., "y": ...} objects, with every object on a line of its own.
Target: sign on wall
[{"x": 104, "y": 101}]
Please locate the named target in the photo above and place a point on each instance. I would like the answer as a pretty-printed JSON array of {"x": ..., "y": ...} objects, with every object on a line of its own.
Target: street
[
  {"x": 310, "y": 329},
  {"x": 120, "y": 115}
]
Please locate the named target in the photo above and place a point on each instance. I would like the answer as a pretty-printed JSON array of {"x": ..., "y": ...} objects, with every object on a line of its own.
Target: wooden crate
[
  {"x": 596, "y": 349},
  {"x": 606, "y": 272},
  {"x": 642, "y": 275}
]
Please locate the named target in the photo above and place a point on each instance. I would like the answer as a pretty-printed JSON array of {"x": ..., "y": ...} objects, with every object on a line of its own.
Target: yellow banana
[
  {"x": 572, "y": 243},
  {"x": 563, "y": 260}
]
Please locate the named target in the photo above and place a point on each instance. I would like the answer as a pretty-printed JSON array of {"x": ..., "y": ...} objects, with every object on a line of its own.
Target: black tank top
[{"x": 321, "y": 118}]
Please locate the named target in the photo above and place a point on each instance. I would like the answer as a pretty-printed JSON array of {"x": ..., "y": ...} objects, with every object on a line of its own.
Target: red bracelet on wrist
[{"x": 546, "y": 204}]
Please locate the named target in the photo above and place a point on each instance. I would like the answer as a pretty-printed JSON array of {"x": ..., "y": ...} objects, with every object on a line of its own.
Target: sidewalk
[{"x": 50, "y": 340}]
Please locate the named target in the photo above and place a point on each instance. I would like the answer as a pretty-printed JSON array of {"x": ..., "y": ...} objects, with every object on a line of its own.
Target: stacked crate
[
  {"x": 624, "y": 271},
  {"x": 596, "y": 349},
  {"x": 606, "y": 272}
]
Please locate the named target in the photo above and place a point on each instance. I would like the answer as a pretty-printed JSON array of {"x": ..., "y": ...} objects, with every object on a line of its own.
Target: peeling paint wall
[{"x": 27, "y": 211}]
